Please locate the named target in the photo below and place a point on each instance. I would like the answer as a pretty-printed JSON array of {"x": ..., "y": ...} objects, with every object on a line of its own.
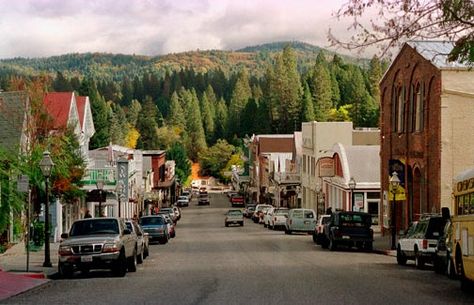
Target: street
[{"x": 208, "y": 263}]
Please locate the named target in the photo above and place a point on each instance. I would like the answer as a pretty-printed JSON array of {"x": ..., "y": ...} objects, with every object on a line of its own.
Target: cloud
[{"x": 33, "y": 28}]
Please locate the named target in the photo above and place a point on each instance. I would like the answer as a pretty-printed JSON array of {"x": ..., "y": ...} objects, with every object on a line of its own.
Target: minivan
[{"x": 300, "y": 220}]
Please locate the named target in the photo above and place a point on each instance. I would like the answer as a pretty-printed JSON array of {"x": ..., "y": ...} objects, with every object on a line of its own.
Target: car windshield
[
  {"x": 95, "y": 226},
  {"x": 129, "y": 226},
  {"x": 183, "y": 198},
  {"x": 152, "y": 221},
  {"x": 325, "y": 220}
]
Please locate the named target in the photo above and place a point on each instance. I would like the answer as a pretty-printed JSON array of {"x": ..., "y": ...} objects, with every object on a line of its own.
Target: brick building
[{"x": 426, "y": 128}]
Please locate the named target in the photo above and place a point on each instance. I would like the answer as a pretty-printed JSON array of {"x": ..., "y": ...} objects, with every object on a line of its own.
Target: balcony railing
[{"x": 286, "y": 177}]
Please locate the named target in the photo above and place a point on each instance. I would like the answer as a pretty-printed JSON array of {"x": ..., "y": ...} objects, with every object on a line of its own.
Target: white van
[{"x": 300, "y": 220}]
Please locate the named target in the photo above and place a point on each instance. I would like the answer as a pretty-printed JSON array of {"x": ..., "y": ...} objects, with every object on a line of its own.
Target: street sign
[{"x": 23, "y": 184}]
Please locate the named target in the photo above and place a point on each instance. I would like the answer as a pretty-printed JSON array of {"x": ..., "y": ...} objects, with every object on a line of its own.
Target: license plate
[
  {"x": 86, "y": 258},
  {"x": 346, "y": 237},
  {"x": 307, "y": 222}
]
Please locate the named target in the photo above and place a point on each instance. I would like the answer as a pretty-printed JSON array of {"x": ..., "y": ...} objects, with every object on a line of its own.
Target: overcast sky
[{"x": 38, "y": 28}]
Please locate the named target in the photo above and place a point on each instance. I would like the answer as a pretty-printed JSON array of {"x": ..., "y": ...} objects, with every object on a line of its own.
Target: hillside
[{"x": 116, "y": 66}]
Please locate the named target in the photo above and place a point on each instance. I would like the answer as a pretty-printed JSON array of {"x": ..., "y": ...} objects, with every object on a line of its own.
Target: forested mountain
[
  {"x": 191, "y": 102},
  {"x": 117, "y": 66}
]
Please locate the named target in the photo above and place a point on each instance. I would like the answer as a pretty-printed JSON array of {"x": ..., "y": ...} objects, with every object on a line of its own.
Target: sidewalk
[
  {"x": 13, "y": 276},
  {"x": 382, "y": 244}
]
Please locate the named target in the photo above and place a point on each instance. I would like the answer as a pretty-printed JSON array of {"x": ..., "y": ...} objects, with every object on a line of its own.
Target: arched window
[
  {"x": 419, "y": 108},
  {"x": 401, "y": 110}
]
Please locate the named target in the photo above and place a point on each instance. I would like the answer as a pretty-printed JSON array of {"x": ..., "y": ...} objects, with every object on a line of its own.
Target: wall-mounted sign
[
  {"x": 122, "y": 175},
  {"x": 326, "y": 167}
]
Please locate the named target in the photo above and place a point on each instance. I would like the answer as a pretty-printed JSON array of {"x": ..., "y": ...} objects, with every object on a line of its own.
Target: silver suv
[
  {"x": 420, "y": 240},
  {"x": 98, "y": 243}
]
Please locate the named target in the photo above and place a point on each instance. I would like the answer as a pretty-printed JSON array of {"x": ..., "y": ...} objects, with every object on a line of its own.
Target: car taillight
[
  {"x": 291, "y": 221},
  {"x": 274, "y": 219},
  {"x": 425, "y": 244}
]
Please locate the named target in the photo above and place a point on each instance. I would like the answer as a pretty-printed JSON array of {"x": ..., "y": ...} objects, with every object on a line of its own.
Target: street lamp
[
  {"x": 46, "y": 165},
  {"x": 100, "y": 186},
  {"x": 352, "y": 186},
  {"x": 394, "y": 183}
]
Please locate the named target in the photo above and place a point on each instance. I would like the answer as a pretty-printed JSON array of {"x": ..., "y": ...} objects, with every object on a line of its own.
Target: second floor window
[
  {"x": 419, "y": 108},
  {"x": 401, "y": 111}
]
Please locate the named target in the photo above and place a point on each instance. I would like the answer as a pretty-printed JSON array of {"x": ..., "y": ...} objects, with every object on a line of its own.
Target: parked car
[
  {"x": 248, "y": 212},
  {"x": 278, "y": 218},
  {"x": 258, "y": 214},
  {"x": 171, "y": 225},
  {"x": 266, "y": 217},
  {"x": 97, "y": 243},
  {"x": 420, "y": 240},
  {"x": 348, "y": 229},
  {"x": 443, "y": 262},
  {"x": 237, "y": 200},
  {"x": 231, "y": 193},
  {"x": 142, "y": 240},
  {"x": 318, "y": 234},
  {"x": 234, "y": 217},
  {"x": 183, "y": 201},
  {"x": 203, "y": 199},
  {"x": 300, "y": 220},
  {"x": 170, "y": 213},
  {"x": 156, "y": 227},
  {"x": 188, "y": 194},
  {"x": 177, "y": 211}
]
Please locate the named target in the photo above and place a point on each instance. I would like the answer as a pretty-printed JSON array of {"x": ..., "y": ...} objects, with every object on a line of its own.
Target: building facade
[{"x": 426, "y": 122}]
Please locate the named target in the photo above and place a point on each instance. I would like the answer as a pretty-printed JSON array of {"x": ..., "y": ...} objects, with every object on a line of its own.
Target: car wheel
[
  {"x": 315, "y": 239},
  {"x": 451, "y": 270},
  {"x": 164, "y": 240},
  {"x": 132, "y": 262},
  {"x": 325, "y": 243},
  {"x": 368, "y": 246},
  {"x": 120, "y": 268},
  {"x": 140, "y": 258},
  {"x": 287, "y": 231},
  {"x": 146, "y": 252},
  {"x": 332, "y": 245},
  {"x": 401, "y": 258},
  {"x": 419, "y": 261},
  {"x": 242, "y": 224},
  {"x": 226, "y": 224},
  {"x": 65, "y": 271}
]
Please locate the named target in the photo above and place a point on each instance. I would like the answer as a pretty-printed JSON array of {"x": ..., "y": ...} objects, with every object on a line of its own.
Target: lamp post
[
  {"x": 352, "y": 186},
  {"x": 394, "y": 183},
  {"x": 46, "y": 165},
  {"x": 100, "y": 186}
]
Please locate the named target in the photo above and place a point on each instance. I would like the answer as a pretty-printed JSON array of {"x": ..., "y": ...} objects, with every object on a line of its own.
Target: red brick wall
[{"x": 419, "y": 149}]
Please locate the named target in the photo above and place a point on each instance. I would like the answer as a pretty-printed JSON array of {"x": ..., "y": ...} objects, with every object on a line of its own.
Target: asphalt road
[{"x": 208, "y": 263}]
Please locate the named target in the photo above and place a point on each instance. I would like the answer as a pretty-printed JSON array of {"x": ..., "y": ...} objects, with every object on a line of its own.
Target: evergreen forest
[{"x": 196, "y": 102}]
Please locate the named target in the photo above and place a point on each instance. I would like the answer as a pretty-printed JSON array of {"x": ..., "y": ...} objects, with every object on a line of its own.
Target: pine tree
[
  {"x": 207, "y": 119},
  {"x": 221, "y": 120},
  {"x": 177, "y": 153},
  {"x": 147, "y": 126},
  {"x": 196, "y": 141},
  {"x": 307, "y": 114},
  {"x": 240, "y": 96},
  {"x": 127, "y": 92},
  {"x": 176, "y": 117},
  {"x": 321, "y": 86},
  {"x": 134, "y": 112},
  {"x": 99, "y": 111},
  {"x": 374, "y": 75},
  {"x": 61, "y": 84}
]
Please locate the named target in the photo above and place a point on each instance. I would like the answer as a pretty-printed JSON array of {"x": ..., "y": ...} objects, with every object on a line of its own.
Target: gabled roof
[
  {"x": 14, "y": 108},
  {"x": 58, "y": 106},
  {"x": 361, "y": 162},
  {"x": 437, "y": 53},
  {"x": 81, "y": 108}
]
